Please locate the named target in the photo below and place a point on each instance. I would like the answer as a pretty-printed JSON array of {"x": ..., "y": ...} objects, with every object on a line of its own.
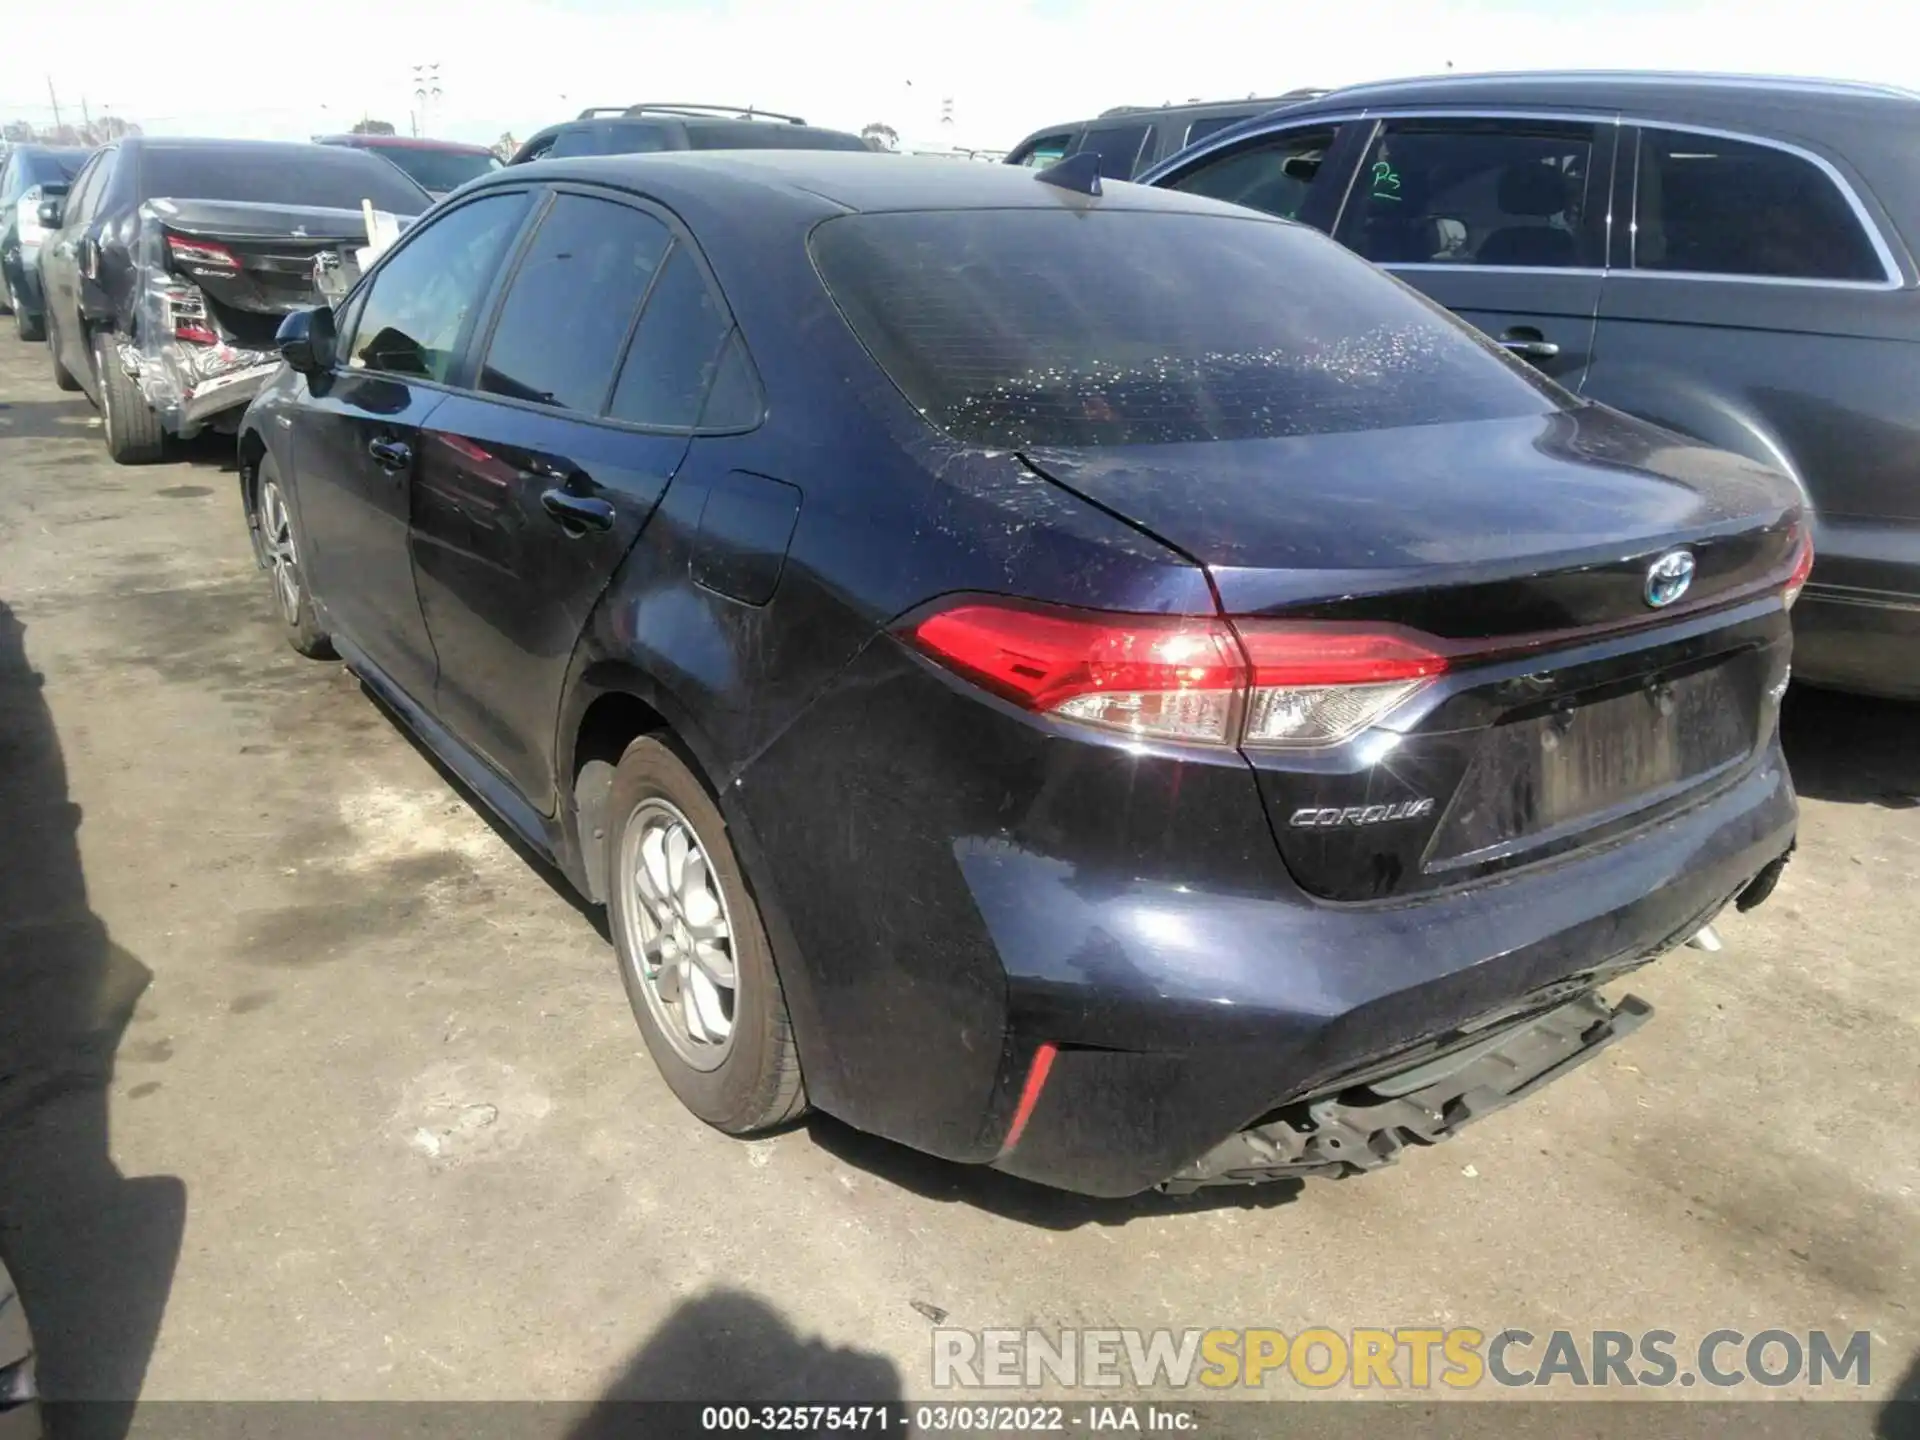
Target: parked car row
[
  {"x": 158, "y": 270},
  {"x": 1225, "y": 732}
]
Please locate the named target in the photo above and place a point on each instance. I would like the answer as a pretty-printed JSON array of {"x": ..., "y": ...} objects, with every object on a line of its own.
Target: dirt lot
[{"x": 310, "y": 1085}]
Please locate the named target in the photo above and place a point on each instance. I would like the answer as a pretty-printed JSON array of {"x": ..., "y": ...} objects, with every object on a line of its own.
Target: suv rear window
[
  {"x": 1057, "y": 327},
  {"x": 438, "y": 169},
  {"x": 329, "y": 176},
  {"x": 762, "y": 135}
]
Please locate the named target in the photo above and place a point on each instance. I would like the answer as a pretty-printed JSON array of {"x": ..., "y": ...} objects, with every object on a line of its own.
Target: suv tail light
[
  {"x": 1802, "y": 568},
  {"x": 1199, "y": 681}
]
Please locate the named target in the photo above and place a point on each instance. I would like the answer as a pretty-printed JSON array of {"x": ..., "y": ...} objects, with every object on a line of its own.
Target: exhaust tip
[{"x": 1708, "y": 939}]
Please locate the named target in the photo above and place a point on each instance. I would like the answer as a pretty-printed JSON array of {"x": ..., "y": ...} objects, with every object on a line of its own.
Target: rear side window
[
  {"x": 1057, "y": 327},
  {"x": 1510, "y": 192},
  {"x": 1118, "y": 147},
  {"x": 571, "y": 304},
  {"x": 1045, "y": 151},
  {"x": 421, "y": 302},
  {"x": 1213, "y": 125},
  {"x": 612, "y": 137},
  {"x": 1726, "y": 207},
  {"x": 331, "y": 176},
  {"x": 676, "y": 349},
  {"x": 1273, "y": 175}
]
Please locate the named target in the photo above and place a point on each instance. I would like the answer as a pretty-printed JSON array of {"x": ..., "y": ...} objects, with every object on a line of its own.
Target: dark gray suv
[{"x": 1731, "y": 257}]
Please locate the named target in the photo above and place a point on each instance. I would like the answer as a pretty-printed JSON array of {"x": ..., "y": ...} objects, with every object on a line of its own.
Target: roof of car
[
  {"x": 60, "y": 150},
  {"x": 1703, "y": 94},
  {"x": 845, "y": 180},
  {"x": 401, "y": 142}
]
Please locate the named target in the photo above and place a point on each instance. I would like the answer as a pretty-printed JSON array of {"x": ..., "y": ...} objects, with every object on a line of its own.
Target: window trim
[
  {"x": 343, "y": 345},
  {"x": 1895, "y": 277},
  {"x": 475, "y": 352},
  {"x": 1891, "y": 276}
]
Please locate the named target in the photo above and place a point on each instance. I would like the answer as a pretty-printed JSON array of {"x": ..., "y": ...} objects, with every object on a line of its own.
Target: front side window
[
  {"x": 420, "y": 303},
  {"x": 1506, "y": 192},
  {"x": 1273, "y": 176},
  {"x": 1057, "y": 327},
  {"x": 571, "y": 304},
  {"x": 86, "y": 189},
  {"x": 1118, "y": 147},
  {"x": 1712, "y": 206}
]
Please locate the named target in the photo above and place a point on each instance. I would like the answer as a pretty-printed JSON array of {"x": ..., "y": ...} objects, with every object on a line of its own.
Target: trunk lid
[
  {"x": 253, "y": 262},
  {"x": 1572, "y": 708}
]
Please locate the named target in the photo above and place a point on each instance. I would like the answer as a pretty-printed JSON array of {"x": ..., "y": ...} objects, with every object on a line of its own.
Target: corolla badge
[{"x": 1668, "y": 578}]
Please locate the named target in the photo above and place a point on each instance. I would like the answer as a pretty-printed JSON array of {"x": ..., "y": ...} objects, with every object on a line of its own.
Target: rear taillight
[
  {"x": 1173, "y": 679},
  {"x": 1802, "y": 568},
  {"x": 1198, "y": 681},
  {"x": 201, "y": 254},
  {"x": 1319, "y": 684},
  {"x": 187, "y": 311}
]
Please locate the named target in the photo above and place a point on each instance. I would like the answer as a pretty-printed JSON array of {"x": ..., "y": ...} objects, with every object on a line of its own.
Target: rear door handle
[
  {"x": 390, "y": 454},
  {"x": 577, "y": 512}
]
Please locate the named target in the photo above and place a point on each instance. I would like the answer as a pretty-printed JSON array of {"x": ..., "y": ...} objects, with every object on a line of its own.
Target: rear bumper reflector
[{"x": 1029, "y": 1094}]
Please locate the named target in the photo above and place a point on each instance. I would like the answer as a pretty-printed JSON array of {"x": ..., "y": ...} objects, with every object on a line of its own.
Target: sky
[{"x": 276, "y": 69}]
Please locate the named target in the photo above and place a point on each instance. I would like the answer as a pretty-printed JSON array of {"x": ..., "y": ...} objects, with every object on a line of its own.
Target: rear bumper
[{"x": 1204, "y": 1013}]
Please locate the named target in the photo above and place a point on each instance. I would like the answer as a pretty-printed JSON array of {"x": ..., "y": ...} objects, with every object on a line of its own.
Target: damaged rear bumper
[
  {"x": 1365, "y": 1122},
  {"x": 189, "y": 385}
]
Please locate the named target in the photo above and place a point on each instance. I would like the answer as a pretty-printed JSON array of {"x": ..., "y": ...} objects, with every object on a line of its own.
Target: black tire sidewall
[{"x": 742, "y": 1094}]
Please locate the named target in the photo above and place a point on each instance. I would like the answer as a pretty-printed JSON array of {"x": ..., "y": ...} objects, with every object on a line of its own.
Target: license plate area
[{"x": 1541, "y": 774}]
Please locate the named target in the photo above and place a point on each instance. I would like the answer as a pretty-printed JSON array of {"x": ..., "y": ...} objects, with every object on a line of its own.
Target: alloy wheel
[
  {"x": 679, "y": 933},
  {"x": 276, "y": 534}
]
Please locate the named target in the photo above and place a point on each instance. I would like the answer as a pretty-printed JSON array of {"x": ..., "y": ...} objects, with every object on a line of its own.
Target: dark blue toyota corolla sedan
[{"x": 1107, "y": 685}]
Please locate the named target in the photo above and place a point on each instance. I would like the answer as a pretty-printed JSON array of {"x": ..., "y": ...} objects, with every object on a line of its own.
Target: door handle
[
  {"x": 577, "y": 512},
  {"x": 390, "y": 454},
  {"x": 1528, "y": 344}
]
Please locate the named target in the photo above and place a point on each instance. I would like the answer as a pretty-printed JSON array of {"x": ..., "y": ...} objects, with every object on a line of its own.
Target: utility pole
[
  {"x": 86, "y": 118},
  {"x": 56, "y": 103}
]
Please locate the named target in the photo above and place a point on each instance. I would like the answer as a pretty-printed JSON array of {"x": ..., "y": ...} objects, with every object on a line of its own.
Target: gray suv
[{"x": 1731, "y": 257}]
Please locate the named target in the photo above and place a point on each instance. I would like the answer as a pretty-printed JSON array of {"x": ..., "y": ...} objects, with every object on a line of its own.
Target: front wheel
[
  {"x": 694, "y": 957},
  {"x": 134, "y": 436},
  {"x": 281, "y": 545}
]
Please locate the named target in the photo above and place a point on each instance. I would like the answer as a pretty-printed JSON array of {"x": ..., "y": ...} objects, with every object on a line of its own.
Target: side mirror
[
  {"x": 52, "y": 213},
  {"x": 305, "y": 339}
]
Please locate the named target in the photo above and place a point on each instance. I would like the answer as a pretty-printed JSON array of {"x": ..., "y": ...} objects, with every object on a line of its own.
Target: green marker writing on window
[{"x": 1386, "y": 181}]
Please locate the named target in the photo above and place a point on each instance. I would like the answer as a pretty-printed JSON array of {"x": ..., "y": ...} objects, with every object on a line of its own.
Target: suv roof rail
[
  {"x": 593, "y": 111},
  {"x": 724, "y": 112},
  {"x": 1306, "y": 93}
]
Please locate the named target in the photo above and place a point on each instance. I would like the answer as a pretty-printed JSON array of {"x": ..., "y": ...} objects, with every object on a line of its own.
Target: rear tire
[
  {"x": 666, "y": 825},
  {"x": 134, "y": 436},
  {"x": 280, "y": 539},
  {"x": 62, "y": 377}
]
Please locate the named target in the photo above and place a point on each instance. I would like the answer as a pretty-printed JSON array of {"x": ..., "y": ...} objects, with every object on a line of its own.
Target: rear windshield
[
  {"x": 766, "y": 135},
  {"x": 438, "y": 169},
  {"x": 1024, "y": 328},
  {"x": 50, "y": 167},
  {"x": 330, "y": 176}
]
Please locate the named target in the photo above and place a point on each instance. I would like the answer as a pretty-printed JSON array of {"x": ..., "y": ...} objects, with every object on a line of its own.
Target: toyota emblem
[{"x": 1668, "y": 578}]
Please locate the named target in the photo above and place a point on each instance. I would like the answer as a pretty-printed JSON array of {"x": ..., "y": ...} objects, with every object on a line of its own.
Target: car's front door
[
  {"x": 1502, "y": 220},
  {"x": 60, "y": 268},
  {"x": 358, "y": 433},
  {"x": 535, "y": 482}
]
